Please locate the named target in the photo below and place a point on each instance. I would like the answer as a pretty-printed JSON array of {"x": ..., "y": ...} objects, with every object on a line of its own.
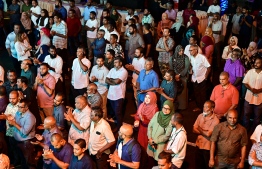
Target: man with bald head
[
  {"x": 60, "y": 153},
  {"x": 225, "y": 96},
  {"x": 80, "y": 120},
  {"x": 121, "y": 156},
  {"x": 93, "y": 97},
  {"x": 229, "y": 140}
]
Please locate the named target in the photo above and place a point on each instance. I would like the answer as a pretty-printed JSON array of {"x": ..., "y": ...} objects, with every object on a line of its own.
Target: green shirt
[{"x": 26, "y": 8}]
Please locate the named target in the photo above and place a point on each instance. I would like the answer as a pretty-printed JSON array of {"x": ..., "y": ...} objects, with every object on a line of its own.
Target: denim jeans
[
  {"x": 117, "y": 106},
  {"x": 251, "y": 108}
]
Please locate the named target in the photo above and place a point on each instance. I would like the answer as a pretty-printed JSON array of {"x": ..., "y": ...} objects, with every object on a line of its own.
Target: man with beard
[
  {"x": 245, "y": 22},
  {"x": 147, "y": 18},
  {"x": 74, "y": 7},
  {"x": 229, "y": 141},
  {"x": 55, "y": 63},
  {"x": 27, "y": 72},
  {"x": 130, "y": 14},
  {"x": 138, "y": 64},
  {"x": 87, "y": 10},
  {"x": 253, "y": 101},
  {"x": 213, "y": 9},
  {"x": 45, "y": 86},
  {"x": 60, "y": 9},
  {"x": 110, "y": 31},
  {"x": 59, "y": 109},
  {"x": 10, "y": 84},
  {"x": 35, "y": 11},
  {"x": 204, "y": 126},
  {"x": 121, "y": 156},
  {"x": 94, "y": 99}
]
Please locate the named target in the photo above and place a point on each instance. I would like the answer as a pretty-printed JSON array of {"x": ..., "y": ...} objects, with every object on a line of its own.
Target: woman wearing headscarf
[
  {"x": 44, "y": 39},
  {"x": 159, "y": 130},
  {"x": 43, "y": 20},
  {"x": 181, "y": 65},
  {"x": 207, "y": 46},
  {"x": 232, "y": 44},
  {"x": 164, "y": 23},
  {"x": 177, "y": 29},
  {"x": 209, "y": 33},
  {"x": 144, "y": 114},
  {"x": 28, "y": 27},
  {"x": 188, "y": 33},
  {"x": 249, "y": 56}
]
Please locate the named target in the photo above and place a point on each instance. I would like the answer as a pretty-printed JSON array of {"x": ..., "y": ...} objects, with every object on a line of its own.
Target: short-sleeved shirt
[
  {"x": 29, "y": 75},
  {"x": 118, "y": 91},
  {"x": 108, "y": 34},
  {"x": 257, "y": 148},
  {"x": 77, "y": 10},
  {"x": 254, "y": 80},
  {"x": 84, "y": 163},
  {"x": 206, "y": 123},
  {"x": 171, "y": 14},
  {"x": 36, "y": 10},
  {"x": 87, "y": 11},
  {"x": 62, "y": 11},
  {"x": 224, "y": 99},
  {"x": 229, "y": 142},
  {"x": 109, "y": 65},
  {"x": 9, "y": 87},
  {"x": 57, "y": 64},
  {"x": 26, "y": 8},
  {"x": 100, "y": 73},
  {"x": 118, "y": 49},
  {"x": 80, "y": 78},
  {"x": 92, "y": 23},
  {"x": 47, "y": 136},
  {"x": 135, "y": 41},
  {"x": 165, "y": 56},
  {"x": 139, "y": 64},
  {"x": 170, "y": 90},
  {"x": 244, "y": 29},
  {"x": 10, "y": 110},
  {"x": 147, "y": 19},
  {"x": 214, "y": 9},
  {"x": 58, "y": 41},
  {"x": 45, "y": 100},
  {"x": 199, "y": 66},
  {"x": 58, "y": 113}
]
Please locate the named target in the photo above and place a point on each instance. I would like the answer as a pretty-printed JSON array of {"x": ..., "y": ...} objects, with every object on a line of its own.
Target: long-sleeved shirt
[
  {"x": 99, "y": 46},
  {"x": 10, "y": 43}
]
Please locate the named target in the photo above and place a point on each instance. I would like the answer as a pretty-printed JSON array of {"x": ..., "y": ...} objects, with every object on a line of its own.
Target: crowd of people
[{"x": 45, "y": 123}]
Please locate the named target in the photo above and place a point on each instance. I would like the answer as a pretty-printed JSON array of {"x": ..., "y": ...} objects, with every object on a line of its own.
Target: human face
[
  {"x": 71, "y": 14},
  {"x": 11, "y": 76},
  {"x": 52, "y": 51},
  {"x": 208, "y": 31},
  {"x": 129, "y": 22},
  {"x": 232, "y": 118},
  {"x": 34, "y": 3},
  {"x": 251, "y": 48},
  {"x": 105, "y": 14},
  {"x": 93, "y": 116},
  {"x": 137, "y": 53},
  {"x": 16, "y": 29},
  {"x": 207, "y": 108},
  {"x": 13, "y": 2},
  {"x": 108, "y": 5},
  {"x": 26, "y": 2},
  {"x": 58, "y": 100},
  {"x": 258, "y": 64},
  {"x": 23, "y": 65},
  {"x": 162, "y": 164},
  {"x": 146, "y": 12},
  {"x": 24, "y": 36},
  {"x": 166, "y": 32},
  {"x": 71, "y": 4},
  {"x": 43, "y": 70},
  {"x": 79, "y": 52},
  {"x": 78, "y": 151},
  {"x": 79, "y": 104},
  {"x": 189, "y": 5},
  {"x": 117, "y": 64},
  {"x": 193, "y": 51},
  {"x": 42, "y": 13},
  {"x": 192, "y": 41},
  {"x": 108, "y": 55},
  {"x": 166, "y": 109},
  {"x": 147, "y": 99},
  {"x": 168, "y": 77},
  {"x": 114, "y": 12},
  {"x": 22, "y": 107},
  {"x": 224, "y": 80},
  {"x": 215, "y": 2},
  {"x": 56, "y": 19},
  {"x": 105, "y": 22},
  {"x": 51, "y": 21},
  {"x": 164, "y": 17},
  {"x": 100, "y": 62},
  {"x": 112, "y": 40},
  {"x": 13, "y": 99},
  {"x": 92, "y": 16},
  {"x": 148, "y": 65},
  {"x": 244, "y": 11},
  {"x": 234, "y": 56},
  {"x": 130, "y": 12},
  {"x": 216, "y": 17},
  {"x": 57, "y": 144},
  {"x": 181, "y": 52},
  {"x": 232, "y": 41},
  {"x": 131, "y": 30},
  {"x": 19, "y": 84},
  {"x": 47, "y": 125},
  {"x": 91, "y": 90}
]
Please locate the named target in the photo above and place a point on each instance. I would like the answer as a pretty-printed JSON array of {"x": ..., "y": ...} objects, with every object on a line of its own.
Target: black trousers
[
  {"x": 74, "y": 93},
  {"x": 202, "y": 158},
  {"x": 200, "y": 92},
  {"x": 101, "y": 163}
]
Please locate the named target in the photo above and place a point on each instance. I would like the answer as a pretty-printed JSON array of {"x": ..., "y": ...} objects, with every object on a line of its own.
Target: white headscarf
[{"x": 178, "y": 23}]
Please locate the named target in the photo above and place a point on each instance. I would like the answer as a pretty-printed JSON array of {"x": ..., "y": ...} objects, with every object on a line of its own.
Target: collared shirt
[
  {"x": 87, "y": 11},
  {"x": 229, "y": 142},
  {"x": 92, "y": 23},
  {"x": 171, "y": 14},
  {"x": 80, "y": 78},
  {"x": 139, "y": 64},
  {"x": 62, "y": 11},
  {"x": 9, "y": 87},
  {"x": 10, "y": 43},
  {"x": 245, "y": 30},
  {"x": 78, "y": 12},
  {"x": 100, "y": 73},
  {"x": 118, "y": 49},
  {"x": 118, "y": 91},
  {"x": 109, "y": 65},
  {"x": 57, "y": 64},
  {"x": 27, "y": 123},
  {"x": 226, "y": 97},
  {"x": 165, "y": 56},
  {"x": 170, "y": 90},
  {"x": 257, "y": 148},
  {"x": 58, "y": 41},
  {"x": 214, "y": 9},
  {"x": 29, "y": 75},
  {"x": 199, "y": 66},
  {"x": 84, "y": 163},
  {"x": 257, "y": 133},
  {"x": 254, "y": 80},
  {"x": 99, "y": 46},
  {"x": 147, "y": 19},
  {"x": 108, "y": 34},
  {"x": 217, "y": 26},
  {"x": 177, "y": 143},
  {"x": 186, "y": 51},
  {"x": 208, "y": 124},
  {"x": 135, "y": 41},
  {"x": 36, "y": 10},
  {"x": 59, "y": 115},
  {"x": 100, "y": 135},
  {"x": 47, "y": 136},
  {"x": 147, "y": 81},
  {"x": 83, "y": 117},
  {"x": 95, "y": 100},
  {"x": 26, "y": 8},
  {"x": 10, "y": 110},
  {"x": 44, "y": 99}
]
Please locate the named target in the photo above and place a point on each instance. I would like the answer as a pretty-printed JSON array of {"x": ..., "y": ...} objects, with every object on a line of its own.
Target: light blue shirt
[
  {"x": 87, "y": 11},
  {"x": 10, "y": 43},
  {"x": 27, "y": 123}
]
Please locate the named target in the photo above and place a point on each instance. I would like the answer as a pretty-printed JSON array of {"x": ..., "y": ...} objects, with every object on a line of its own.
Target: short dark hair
[
  {"x": 11, "y": 71},
  {"x": 120, "y": 59},
  {"x": 140, "y": 49},
  {"x": 35, "y": 1},
  {"x": 93, "y": 12},
  {"x": 81, "y": 143},
  {"x": 61, "y": 95},
  {"x": 23, "y": 79},
  {"x": 194, "y": 37},
  {"x": 165, "y": 155},
  {"x": 132, "y": 20},
  {"x": 72, "y": 10},
  {"x": 136, "y": 17},
  {"x": 133, "y": 26},
  {"x": 25, "y": 102},
  {"x": 102, "y": 30},
  {"x": 59, "y": 15},
  {"x": 98, "y": 111},
  {"x": 147, "y": 26},
  {"x": 178, "y": 118},
  {"x": 60, "y": 1},
  {"x": 100, "y": 57},
  {"x": 112, "y": 52},
  {"x": 45, "y": 64},
  {"x": 149, "y": 59},
  {"x": 213, "y": 104},
  {"x": 72, "y": 1},
  {"x": 107, "y": 18},
  {"x": 2, "y": 91},
  {"x": 106, "y": 10},
  {"x": 83, "y": 48},
  {"x": 170, "y": 72},
  {"x": 114, "y": 36},
  {"x": 52, "y": 47},
  {"x": 258, "y": 58}
]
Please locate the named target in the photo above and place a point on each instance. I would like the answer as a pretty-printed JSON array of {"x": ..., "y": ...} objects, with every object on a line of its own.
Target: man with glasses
[
  {"x": 201, "y": 69},
  {"x": 224, "y": 94}
]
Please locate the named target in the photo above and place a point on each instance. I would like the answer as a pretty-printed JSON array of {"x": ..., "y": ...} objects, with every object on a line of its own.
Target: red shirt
[
  {"x": 186, "y": 15},
  {"x": 73, "y": 26}
]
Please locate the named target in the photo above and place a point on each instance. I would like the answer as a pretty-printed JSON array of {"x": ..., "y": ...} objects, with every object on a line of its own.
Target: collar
[
  {"x": 52, "y": 130},
  {"x": 180, "y": 129},
  {"x": 211, "y": 117},
  {"x": 227, "y": 125}
]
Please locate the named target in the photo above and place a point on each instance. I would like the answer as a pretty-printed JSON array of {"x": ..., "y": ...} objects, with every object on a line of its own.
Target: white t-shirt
[
  {"x": 199, "y": 66},
  {"x": 217, "y": 26},
  {"x": 107, "y": 35},
  {"x": 90, "y": 24},
  {"x": 57, "y": 64},
  {"x": 36, "y": 10},
  {"x": 138, "y": 64},
  {"x": 235, "y": 22},
  {"x": 80, "y": 79},
  {"x": 214, "y": 9}
]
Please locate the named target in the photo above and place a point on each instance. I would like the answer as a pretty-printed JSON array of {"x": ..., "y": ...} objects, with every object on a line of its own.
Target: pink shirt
[
  {"x": 171, "y": 14},
  {"x": 45, "y": 100}
]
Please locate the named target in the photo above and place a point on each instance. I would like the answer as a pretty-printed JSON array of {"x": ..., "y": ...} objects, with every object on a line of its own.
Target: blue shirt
[
  {"x": 87, "y": 11},
  {"x": 59, "y": 115},
  {"x": 27, "y": 123},
  {"x": 170, "y": 90},
  {"x": 135, "y": 156},
  {"x": 63, "y": 12},
  {"x": 99, "y": 46},
  {"x": 84, "y": 163},
  {"x": 47, "y": 136},
  {"x": 244, "y": 29},
  {"x": 147, "y": 81}
]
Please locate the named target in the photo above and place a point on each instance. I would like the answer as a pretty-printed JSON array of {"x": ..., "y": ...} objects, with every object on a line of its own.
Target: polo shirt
[
  {"x": 9, "y": 87},
  {"x": 92, "y": 23},
  {"x": 57, "y": 64},
  {"x": 58, "y": 113},
  {"x": 29, "y": 75},
  {"x": 47, "y": 136},
  {"x": 170, "y": 90},
  {"x": 100, "y": 135},
  {"x": 36, "y": 10},
  {"x": 118, "y": 91},
  {"x": 99, "y": 46},
  {"x": 135, "y": 41},
  {"x": 80, "y": 78},
  {"x": 100, "y": 73},
  {"x": 58, "y": 41},
  {"x": 87, "y": 11},
  {"x": 108, "y": 34},
  {"x": 254, "y": 80},
  {"x": 139, "y": 64},
  {"x": 214, "y": 9},
  {"x": 124, "y": 154},
  {"x": 27, "y": 123},
  {"x": 199, "y": 66},
  {"x": 84, "y": 163}
]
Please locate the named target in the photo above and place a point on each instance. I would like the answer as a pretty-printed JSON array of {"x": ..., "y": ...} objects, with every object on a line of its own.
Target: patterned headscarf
[
  {"x": 178, "y": 61},
  {"x": 249, "y": 52}
]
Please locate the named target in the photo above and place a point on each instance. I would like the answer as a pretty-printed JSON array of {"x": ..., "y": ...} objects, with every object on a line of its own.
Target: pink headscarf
[
  {"x": 148, "y": 110},
  {"x": 249, "y": 52},
  {"x": 207, "y": 40}
]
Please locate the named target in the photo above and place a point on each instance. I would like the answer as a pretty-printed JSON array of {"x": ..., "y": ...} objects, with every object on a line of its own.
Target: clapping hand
[{"x": 69, "y": 114}]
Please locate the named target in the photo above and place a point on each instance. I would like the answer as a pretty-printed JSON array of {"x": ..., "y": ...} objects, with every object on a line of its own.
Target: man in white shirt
[
  {"x": 35, "y": 11},
  {"x": 192, "y": 41},
  {"x": 176, "y": 145},
  {"x": 235, "y": 22},
  {"x": 111, "y": 30},
  {"x": 138, "y": 64},
  {"x": 147, "y": 18},
  {"x": 116, "y": 79},
  {"x": 98, "y": 76},
  {"x": 105, "y": 24},
  {"x": 215, "y": 8},
  {"x": 55, "y": 63},
  {"x": 80, "y": 77},
  {"x": 91, "y": 27},
  {"x": 201, "y": 69}
]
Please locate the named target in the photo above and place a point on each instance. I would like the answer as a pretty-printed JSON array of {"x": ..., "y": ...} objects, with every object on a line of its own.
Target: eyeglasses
[
  {"x": 192, "y": 50},
  {"x": 20, "y": 107},
  {"x": 166, "y": 108}
]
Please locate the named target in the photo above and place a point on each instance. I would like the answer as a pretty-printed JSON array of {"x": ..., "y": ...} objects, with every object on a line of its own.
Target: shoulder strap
[{"x": 130, "y": 147}]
